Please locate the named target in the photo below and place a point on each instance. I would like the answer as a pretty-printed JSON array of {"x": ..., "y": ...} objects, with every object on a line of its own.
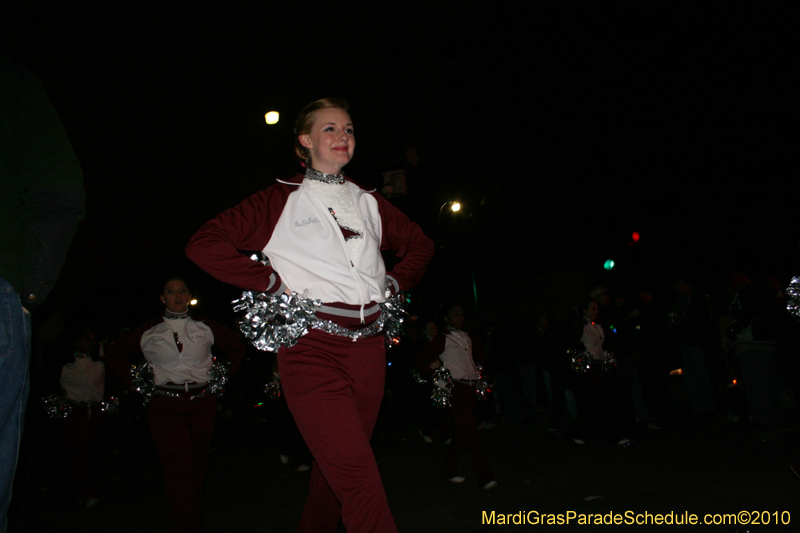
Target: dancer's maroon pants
[
  {"x": 465, "y": 436},
  {"x": 182, "y": 430},
  {"x": 83, "y": 431},
  {"x": 596, "y": 411},
  {"x": 334, "y": 388}
]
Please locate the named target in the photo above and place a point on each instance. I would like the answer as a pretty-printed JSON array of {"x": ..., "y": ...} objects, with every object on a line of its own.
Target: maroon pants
[
  {"x": 182, "y": 429},
  {"x": 83, "y": 431},
  {"x": 596, "y": 411},
  {"x": 334, "y": 388},
  {"x": 465, "y": 436}
]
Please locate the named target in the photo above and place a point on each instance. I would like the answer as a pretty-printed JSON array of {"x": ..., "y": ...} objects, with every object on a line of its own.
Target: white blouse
[
  {"x": 593, "y": 338},
  {"x": 84, "y": 380},
  {"x": 170, "y": 364},
  {"x": 457, "y": 355}
]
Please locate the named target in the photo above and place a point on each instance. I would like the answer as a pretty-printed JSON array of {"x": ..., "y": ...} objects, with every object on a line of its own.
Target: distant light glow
[
  {"x": 609, "y": 264},
  {"x": 193, "y": 301},
  {"x": 676, "y": 372},
  {"x": 635, "y": 236},
  {"x": 272, "y": 117},
  {"x": 455, "y": 206}
]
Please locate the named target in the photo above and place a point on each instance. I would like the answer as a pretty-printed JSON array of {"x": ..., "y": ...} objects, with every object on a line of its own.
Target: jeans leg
[{"x": 15, "y": 342}]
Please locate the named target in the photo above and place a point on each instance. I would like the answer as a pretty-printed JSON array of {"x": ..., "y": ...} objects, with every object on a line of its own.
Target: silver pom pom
[
  {"x": 389, "y": 321},
  {"x": 793, "y": 297},
  {"x": 143, "y": 380},
  {"x": 272, "y": 321},
  {"x": 273, "y": 387},
  {"x": 393, "y": 315},
  {"x": 111, "y": 406},
  {"x": 609, "y": 361},
  {"x": 57, "y": 406},
  {"x": 481, "y": 388},
  {"x": 218, "y": 377},
  {"x": 442, "y": 387},
  {"x": 580, "y": 361}
]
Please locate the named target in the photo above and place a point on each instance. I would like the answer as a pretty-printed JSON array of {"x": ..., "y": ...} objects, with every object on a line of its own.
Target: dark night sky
[{"x": 563, "y": 129}]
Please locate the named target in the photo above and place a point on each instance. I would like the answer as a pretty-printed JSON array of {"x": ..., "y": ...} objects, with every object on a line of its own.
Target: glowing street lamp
[
  {"x": 272, "y": 117},
  {"x": 455, "y": 207}
]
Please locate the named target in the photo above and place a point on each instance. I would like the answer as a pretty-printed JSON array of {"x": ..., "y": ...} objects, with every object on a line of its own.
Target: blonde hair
[{"x": 305, "y": 121}]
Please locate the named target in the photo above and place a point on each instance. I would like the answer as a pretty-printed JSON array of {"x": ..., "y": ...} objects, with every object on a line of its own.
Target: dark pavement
[{"x": 699, "y": 466}]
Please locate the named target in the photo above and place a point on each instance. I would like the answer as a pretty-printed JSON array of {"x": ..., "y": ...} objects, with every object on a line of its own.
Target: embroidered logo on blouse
[{"x": 306, "y": 221}]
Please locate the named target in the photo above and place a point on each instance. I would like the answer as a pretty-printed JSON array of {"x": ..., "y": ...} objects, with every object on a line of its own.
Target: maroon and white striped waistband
[{"x": 348, "y": 315}]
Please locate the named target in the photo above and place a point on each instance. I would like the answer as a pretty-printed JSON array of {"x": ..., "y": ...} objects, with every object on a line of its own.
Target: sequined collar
[
  {"x": 314, "y": 174},
  {"x": 451, "y": 329},
  {"x": 174, "y": 316}
]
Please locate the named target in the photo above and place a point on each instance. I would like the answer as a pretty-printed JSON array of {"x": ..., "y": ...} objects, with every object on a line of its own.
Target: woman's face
[
  {"x": 330, "y": 141},
  {"x": 455, "y": 317},
  {"x": 591, "y": 312},
  {"x": 85, "y": 342},
  {"x": 430, "y": 330},
  {"x": 176, "y": 296}
]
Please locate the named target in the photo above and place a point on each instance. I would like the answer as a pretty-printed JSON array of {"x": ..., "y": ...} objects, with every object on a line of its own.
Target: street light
[
  {"x": 272, "y": 117},
  {"x": 455, "y": 207}
]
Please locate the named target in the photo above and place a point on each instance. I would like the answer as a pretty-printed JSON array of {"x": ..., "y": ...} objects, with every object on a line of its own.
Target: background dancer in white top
[{"x": 182, "y": 412}]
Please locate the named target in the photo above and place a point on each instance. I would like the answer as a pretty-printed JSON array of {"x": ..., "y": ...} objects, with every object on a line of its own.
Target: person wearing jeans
[
  {"x": 15, "y": 342},
  {"x": 41, "y": 203}
]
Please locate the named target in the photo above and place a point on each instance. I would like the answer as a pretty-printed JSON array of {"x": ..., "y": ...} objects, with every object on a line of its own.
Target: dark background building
[{"x": 562, "y": 130}]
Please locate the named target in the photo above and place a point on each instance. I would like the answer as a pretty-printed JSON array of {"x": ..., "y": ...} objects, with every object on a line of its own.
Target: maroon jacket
[{"x": 250, "y": 225}]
